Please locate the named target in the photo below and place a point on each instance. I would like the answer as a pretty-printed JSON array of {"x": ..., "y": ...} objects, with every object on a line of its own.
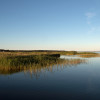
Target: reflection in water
[{"x": 37, "y": 68}]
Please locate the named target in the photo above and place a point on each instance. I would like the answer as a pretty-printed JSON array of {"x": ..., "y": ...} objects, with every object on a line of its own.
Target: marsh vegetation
[{"x": 11, "y": 63}]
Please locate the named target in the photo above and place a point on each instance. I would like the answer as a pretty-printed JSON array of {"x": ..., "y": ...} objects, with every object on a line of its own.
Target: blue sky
[{"x": 50, "y": 24}]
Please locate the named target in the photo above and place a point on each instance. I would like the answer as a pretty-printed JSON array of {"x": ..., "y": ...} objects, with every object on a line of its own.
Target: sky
[{"x": 50, "y": 25}]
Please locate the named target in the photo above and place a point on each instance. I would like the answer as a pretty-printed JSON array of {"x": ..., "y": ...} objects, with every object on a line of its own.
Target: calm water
[{"x": 79, "y": 81}]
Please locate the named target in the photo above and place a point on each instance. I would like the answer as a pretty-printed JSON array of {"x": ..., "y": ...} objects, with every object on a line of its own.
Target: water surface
[{"x": 73, "y": 81}]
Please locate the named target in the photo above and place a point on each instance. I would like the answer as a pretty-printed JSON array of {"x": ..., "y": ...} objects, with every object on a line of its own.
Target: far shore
[{"x": 44, "y": 52}]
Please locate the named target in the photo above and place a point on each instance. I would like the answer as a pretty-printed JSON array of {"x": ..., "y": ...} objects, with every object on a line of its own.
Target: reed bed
[{"x": 33, "y": 63}]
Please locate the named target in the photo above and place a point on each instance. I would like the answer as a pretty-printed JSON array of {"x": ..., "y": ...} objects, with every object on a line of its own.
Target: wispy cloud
[
  {"x": 90, "y": 17},
  {"x": 92, "y": 30},
  {"x": 90, "y": 14}
]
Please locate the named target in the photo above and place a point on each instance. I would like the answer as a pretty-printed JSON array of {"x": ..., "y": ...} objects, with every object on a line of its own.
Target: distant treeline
[{"x": 3, "y": 50}]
